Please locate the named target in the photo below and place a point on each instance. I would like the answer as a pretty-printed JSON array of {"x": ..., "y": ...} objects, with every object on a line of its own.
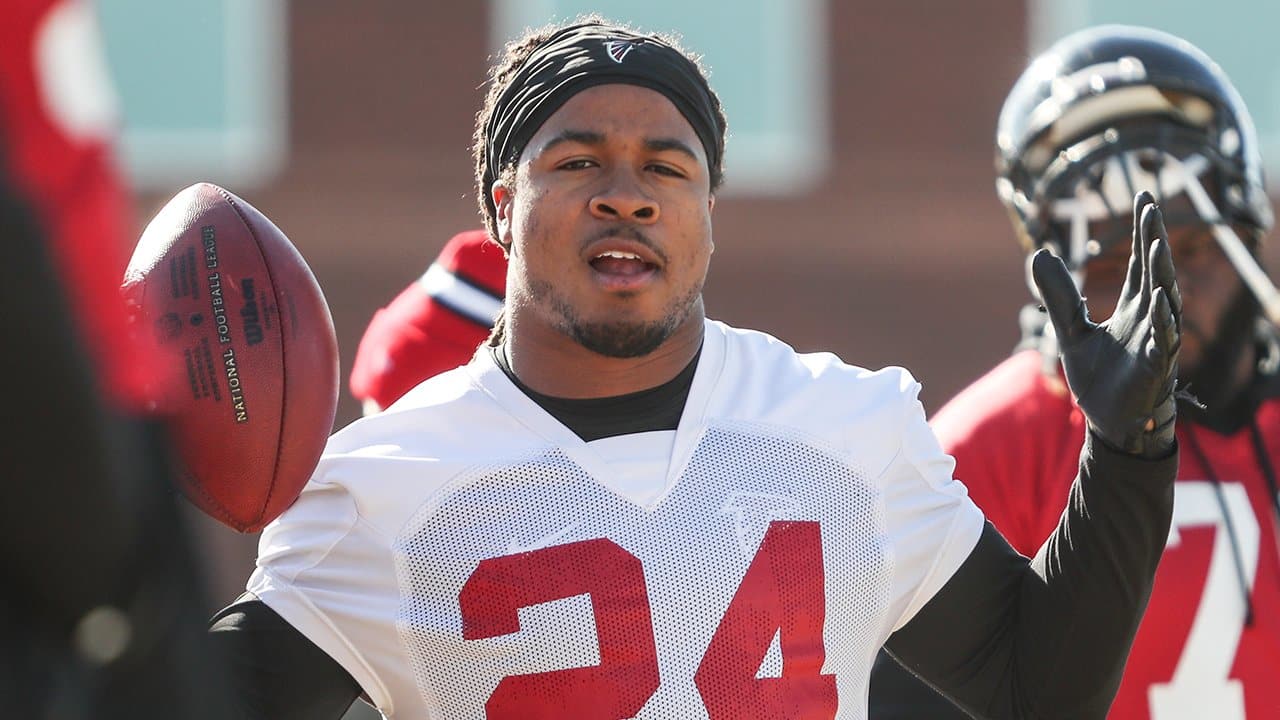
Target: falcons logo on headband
[{"x": 618, "y": 49}]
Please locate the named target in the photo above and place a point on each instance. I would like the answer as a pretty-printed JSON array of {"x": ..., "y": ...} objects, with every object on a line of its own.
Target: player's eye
[
  {"x": 666, "y": 170},
  {"x": 576, "y": 164}
]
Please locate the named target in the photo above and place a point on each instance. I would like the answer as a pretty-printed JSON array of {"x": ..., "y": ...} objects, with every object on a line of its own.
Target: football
[{"x": 247, "y": 342}]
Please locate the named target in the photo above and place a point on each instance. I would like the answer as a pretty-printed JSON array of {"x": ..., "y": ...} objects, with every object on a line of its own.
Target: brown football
[{"x": 243, "y": 329}]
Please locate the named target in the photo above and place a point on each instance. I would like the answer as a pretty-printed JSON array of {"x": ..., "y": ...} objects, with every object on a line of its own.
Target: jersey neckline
[{"x": 490, "y": 379}]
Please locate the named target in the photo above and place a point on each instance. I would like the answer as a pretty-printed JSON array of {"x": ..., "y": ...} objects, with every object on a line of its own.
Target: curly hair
[{"x": 504, "y": 71}]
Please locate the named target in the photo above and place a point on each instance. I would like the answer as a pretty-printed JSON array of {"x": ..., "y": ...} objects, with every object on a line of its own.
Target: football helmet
[{"x": 1114, "y": 109}]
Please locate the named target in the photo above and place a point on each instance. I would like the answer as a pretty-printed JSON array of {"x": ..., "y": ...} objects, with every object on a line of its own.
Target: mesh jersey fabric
[
  {"x": 1016, "y": 436},
  {"x": 464, "y": 555}
]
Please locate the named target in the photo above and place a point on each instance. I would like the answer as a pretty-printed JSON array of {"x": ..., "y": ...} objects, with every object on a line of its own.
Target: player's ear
[{"x": 502, "y": 198}]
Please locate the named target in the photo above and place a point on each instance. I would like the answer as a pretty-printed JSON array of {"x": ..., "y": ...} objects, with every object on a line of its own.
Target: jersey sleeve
[
  {"x": 318, "y": 567},
  {"x": 932, "y": 524}
]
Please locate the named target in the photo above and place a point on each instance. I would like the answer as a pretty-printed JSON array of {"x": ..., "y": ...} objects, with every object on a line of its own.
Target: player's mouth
[{"x": 622, "y": 268}]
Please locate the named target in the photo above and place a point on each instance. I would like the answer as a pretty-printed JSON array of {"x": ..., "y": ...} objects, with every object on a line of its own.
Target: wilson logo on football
[
  {"x": 619, "y": 49},
  {"x": 249, "y": 313}
]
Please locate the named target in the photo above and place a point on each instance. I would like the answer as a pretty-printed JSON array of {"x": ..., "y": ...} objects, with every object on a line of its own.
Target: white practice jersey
[{"x": 464, "y": 555}]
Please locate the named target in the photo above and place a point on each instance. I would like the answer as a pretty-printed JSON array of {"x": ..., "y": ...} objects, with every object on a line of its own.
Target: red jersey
[
  {"x": 57, "y": 122},
  {"x": 1016, "y": 435},
  {"x": 433, "y": 325}
]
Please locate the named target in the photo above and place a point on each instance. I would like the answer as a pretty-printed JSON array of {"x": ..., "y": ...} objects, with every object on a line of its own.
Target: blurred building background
[{"x": 858, "y": 216}]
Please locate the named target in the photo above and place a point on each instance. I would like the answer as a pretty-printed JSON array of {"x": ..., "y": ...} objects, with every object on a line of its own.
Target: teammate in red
[
  {"x": 100, "y": 614},
  {"x": 1101, "y": 111},
  {"x": 433, "y": 325},
  {"x": 60, "y": 119}
]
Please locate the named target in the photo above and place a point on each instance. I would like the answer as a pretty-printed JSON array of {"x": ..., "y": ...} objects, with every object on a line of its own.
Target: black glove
[{"x": 1123, "y": 371}]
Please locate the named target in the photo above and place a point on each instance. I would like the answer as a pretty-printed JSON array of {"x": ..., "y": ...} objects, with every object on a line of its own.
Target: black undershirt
[
  {"x": 657, "y": 408},
  {"x": 993, "y": 638}
]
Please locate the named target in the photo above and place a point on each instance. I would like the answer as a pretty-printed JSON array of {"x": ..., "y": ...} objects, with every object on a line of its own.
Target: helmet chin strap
[{"x": 1254, "y": 277}]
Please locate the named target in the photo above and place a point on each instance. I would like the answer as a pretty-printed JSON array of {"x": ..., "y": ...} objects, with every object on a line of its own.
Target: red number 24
[{"x": 781, "y": 594}]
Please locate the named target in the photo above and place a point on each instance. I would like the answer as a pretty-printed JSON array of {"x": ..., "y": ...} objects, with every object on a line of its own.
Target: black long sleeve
[
  {"x": 898, "y": 694},
  {"x": 276, "y": 673},
  {"x": 1009, "y": 637}
]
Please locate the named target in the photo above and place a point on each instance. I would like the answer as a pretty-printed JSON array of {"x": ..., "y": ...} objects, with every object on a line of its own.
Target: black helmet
[{"x": 1115, "y": 109}]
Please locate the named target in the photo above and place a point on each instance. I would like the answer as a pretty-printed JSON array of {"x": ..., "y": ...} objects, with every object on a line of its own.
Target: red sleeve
[
  {"x": 420, "y": 333},
  {"x": 56, "y": 128},
  {"x": 1016, "y": 436}
]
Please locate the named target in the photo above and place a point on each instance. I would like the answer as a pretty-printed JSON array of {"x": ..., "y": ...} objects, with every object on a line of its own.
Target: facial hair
[{"x": 616, "y": 338}]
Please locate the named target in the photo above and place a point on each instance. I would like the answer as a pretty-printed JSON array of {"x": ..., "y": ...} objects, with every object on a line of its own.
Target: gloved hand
[{"x": 1123, "y": 371}]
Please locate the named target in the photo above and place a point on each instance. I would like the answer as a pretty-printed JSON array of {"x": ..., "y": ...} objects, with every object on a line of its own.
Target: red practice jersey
[
  {"x": 433, "y": 325},
  {"x": 57, "y": 121},
  {"x": 1016, "y": 435}
]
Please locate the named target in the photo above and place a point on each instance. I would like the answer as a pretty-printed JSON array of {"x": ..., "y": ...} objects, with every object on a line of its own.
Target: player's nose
[{"x": 622, "y": 198}]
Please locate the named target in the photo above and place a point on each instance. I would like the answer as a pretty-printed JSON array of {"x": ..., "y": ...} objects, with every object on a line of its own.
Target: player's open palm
[{"x": 1123, "y": 371}]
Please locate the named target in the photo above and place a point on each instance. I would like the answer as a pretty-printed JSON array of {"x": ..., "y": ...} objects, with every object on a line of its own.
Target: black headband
[{"x": 581, "y": 56}]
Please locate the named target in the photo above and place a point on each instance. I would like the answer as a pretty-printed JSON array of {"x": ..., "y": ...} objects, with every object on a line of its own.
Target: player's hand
[{"x": 1123, "y": 371}]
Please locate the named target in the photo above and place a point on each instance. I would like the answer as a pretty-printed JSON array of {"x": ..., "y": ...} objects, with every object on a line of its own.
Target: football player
[
  {"x": 621, "y": 508},
  {"x": 434, "y": 324},
  {"x": 1101, "y": 112}
]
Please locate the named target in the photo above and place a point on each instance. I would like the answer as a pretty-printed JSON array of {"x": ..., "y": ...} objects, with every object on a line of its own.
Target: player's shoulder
[
  {"x": 1016, "y": 391},
  {"x": 442, "y": 413},
  {"x": 860, "y": 410},
  {"x": 759, "y": 355},
  {"x": 388, "y": 464}
]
